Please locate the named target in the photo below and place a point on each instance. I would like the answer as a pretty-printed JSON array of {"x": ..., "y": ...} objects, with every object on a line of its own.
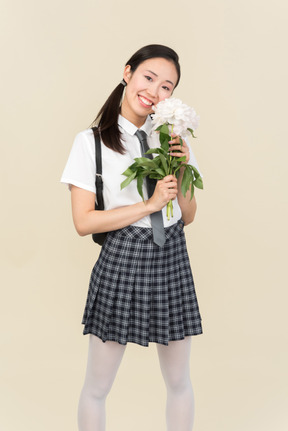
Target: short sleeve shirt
[{"x": 80, "y": 169}]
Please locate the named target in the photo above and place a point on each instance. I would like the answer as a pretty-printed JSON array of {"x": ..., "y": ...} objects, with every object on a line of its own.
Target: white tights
[{"x": 103, "y": 362}]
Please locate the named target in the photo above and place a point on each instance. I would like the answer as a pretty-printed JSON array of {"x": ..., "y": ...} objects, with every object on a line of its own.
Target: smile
[{"x": 145, "y": 101}]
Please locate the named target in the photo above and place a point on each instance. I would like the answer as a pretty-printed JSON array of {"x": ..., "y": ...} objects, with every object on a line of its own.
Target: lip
[{"x": 143, "y": 103}]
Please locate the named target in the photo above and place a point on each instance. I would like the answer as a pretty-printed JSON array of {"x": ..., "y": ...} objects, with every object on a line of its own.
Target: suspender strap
[{"x": 99, "y": 205}]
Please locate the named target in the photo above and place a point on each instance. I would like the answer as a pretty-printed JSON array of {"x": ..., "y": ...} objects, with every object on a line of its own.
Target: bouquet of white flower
[{"x": 171, "y": 117}]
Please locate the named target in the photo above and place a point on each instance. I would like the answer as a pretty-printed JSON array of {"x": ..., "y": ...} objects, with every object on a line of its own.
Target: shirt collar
[{"x": 131, "y": 128}]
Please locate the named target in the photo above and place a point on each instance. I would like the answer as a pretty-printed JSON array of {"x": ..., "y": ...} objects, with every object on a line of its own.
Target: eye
[
  {"x": 148, "y": 77},
  {"x": 166, "y": 88}
]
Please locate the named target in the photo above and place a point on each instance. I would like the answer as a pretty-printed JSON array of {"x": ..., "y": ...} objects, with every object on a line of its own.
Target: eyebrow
[{"x": 167, "y": 80}]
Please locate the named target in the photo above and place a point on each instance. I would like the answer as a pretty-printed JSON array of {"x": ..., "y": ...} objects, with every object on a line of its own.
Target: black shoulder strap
[{"x": 99, "y": 205}]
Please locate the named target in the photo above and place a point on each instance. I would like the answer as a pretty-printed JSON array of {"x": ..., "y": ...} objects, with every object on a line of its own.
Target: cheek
[
  {"x": 164, "y": 95},
  {"x": 138, "y": 83}
]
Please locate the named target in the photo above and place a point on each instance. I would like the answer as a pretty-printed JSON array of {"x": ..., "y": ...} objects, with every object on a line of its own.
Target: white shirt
[{"x": 80, "y": 168}]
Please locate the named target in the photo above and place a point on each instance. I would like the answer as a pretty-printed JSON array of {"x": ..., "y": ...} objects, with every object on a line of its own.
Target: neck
[{"x": 133, "y": 118}]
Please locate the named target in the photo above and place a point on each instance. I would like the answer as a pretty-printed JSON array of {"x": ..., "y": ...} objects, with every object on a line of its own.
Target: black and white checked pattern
[{"x": 141, "y": 293}]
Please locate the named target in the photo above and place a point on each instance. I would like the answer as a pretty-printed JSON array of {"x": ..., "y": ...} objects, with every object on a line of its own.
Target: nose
[{"x": 153, "y": 90}]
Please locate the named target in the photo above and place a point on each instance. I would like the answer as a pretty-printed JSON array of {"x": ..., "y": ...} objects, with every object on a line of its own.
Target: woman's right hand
[
  {"x": 87, "y": 220},
  {"x": 165, "y": 191}
]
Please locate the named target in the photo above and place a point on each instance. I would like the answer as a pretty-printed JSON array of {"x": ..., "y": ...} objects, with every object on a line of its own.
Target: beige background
[{"x": 59, "y": 61}]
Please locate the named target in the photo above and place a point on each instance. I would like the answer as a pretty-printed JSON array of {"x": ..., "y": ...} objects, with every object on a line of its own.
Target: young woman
[{"x": 139, "y": 291}]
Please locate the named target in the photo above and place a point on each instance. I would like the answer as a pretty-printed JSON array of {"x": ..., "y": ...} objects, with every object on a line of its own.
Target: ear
[{"x": 127, "y": 73}]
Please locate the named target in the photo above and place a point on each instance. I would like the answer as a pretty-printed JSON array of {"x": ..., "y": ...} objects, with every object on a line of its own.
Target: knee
[
  {"x": 178, "y": 382},
  {"x": 97, "y": 390}
]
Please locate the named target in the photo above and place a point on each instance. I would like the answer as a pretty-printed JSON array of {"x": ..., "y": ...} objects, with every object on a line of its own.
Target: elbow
[
  {"x": 189, "y": 219},
  {"x": 189, "y": 216},
  {"x": 81, "y": 232},
  {"x": 80, "y": 229}
]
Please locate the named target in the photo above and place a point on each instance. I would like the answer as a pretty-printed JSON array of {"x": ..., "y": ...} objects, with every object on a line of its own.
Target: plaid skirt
[{"x": 140, "y": 292}]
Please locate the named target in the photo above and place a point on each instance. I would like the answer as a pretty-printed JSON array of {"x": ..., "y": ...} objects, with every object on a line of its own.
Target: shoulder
[
  {"x": 85, "y": 137},
  {"x": 84, "y": 143},
  {"x": 80, "y": 167}
]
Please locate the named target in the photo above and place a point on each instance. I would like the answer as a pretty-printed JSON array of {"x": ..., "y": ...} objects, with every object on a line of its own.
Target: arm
[
  {"x": 188, "y": 207},
  {"x": 87, "y": 220}
]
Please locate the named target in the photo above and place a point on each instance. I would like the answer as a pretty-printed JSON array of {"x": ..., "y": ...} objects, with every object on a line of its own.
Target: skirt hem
[{"x": 142, "y": 343}]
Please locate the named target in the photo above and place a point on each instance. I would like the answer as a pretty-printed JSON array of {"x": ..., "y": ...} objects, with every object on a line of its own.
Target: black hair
[{"x": 107, "y": 117}]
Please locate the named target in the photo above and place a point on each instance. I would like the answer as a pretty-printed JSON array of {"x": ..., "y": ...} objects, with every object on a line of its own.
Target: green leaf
[
  {"x": 140, "y": 186},
  {"x": 153, "y": 151},
  {"x": 165, "y": 144},
  {"x": 196, "y": 172},
  {"x": 181, "y": 159},
  {"x": 191, "y": 192},
  {"x": 163, "y": 151},
  {"x": 177, "y": 173},
  {"x": 174, "y": 163},
  {"x": 143, "y": 161},
  {"x": 130, "y": 170},
  {"x": 145, "y": 171},
  {"x": 198, "y": 183},
  {"x": 186, "y": 181},
  {"x": 164, "y": 137},
  {"x": 164, "y": 163},
  {"x": 156, "y": 176},
  {"x": 158, "y": 150},
  {"x": 128, "y": 180},
  {"x": 161, "y": 172},
  {"x": 192, "y": 132},
  {"x": 164, "y": 129}
]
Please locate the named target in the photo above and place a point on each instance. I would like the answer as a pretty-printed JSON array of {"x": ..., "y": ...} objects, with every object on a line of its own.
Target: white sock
[
  {"x": 174, "y": 362},
  {"x": 103, "y": 362}
]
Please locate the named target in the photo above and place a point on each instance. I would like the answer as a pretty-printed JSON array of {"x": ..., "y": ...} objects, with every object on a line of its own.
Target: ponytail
[{"x": 107, "y": 120}]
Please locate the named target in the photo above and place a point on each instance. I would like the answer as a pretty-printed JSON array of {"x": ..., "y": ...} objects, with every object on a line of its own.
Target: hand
[
  {"x": 165, "y": 191},
  {"x": 177, "y": 150}
]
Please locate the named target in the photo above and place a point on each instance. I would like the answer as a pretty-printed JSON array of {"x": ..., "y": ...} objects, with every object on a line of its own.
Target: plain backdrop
[{"x": 59, "y": 62}]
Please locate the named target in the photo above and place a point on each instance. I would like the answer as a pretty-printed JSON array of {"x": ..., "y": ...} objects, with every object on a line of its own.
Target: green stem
[
  {"x": 170, "y": 157},
  {"x": 169, "y": 210}
]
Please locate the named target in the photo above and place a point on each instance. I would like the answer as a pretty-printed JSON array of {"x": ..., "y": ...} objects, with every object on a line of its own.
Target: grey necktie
[{"x": 156, "y": 218}]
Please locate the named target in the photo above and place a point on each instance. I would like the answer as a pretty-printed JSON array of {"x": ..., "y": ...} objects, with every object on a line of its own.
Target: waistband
[{"x": 145, "y": 233}]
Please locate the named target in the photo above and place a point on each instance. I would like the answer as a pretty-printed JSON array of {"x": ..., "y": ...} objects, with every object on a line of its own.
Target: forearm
[
  {"x": 188, "y": 206},
  {"x": 94, "y": 221},
  {"x": 87, "y": 220}
]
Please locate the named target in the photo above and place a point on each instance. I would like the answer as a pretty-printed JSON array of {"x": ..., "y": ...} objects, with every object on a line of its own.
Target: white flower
[{"x": 173, "y": 111}]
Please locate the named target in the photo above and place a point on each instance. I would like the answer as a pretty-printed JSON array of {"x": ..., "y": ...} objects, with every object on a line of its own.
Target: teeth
[{"x": 145, "y": 101}]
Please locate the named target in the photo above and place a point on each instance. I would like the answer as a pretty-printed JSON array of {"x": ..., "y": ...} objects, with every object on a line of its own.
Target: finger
[
  {"x": 180, "y": 155},
  {"x": 175, "y": 141},
  {"x": 177, "y": 147},
  {"x": 169, "y": 178}
]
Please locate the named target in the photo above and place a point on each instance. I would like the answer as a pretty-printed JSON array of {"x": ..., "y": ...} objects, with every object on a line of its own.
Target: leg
[
  {"x": 174, "y": 363},
  {"x": 103, "y": 362}
]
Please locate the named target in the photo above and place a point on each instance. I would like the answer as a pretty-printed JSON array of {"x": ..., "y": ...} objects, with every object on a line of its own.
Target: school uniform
[{"x": 138, "y": 292}]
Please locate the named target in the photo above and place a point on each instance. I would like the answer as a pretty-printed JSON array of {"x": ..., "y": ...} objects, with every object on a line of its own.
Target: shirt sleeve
[{"x": 80, "y": 168}]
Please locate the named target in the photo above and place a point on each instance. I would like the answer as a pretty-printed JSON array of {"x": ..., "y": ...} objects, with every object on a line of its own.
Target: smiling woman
[{"x": 141, "y": 288}]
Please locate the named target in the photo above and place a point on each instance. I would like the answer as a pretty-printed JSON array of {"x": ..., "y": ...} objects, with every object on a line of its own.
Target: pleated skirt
[{"x": 140, "y": 292}]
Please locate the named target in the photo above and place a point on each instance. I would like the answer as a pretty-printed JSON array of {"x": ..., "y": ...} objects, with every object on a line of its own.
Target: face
[{"x": 153, "y": 80}]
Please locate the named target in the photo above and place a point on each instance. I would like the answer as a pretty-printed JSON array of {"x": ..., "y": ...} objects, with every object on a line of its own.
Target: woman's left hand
[{"x": 179, "y": 150}]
